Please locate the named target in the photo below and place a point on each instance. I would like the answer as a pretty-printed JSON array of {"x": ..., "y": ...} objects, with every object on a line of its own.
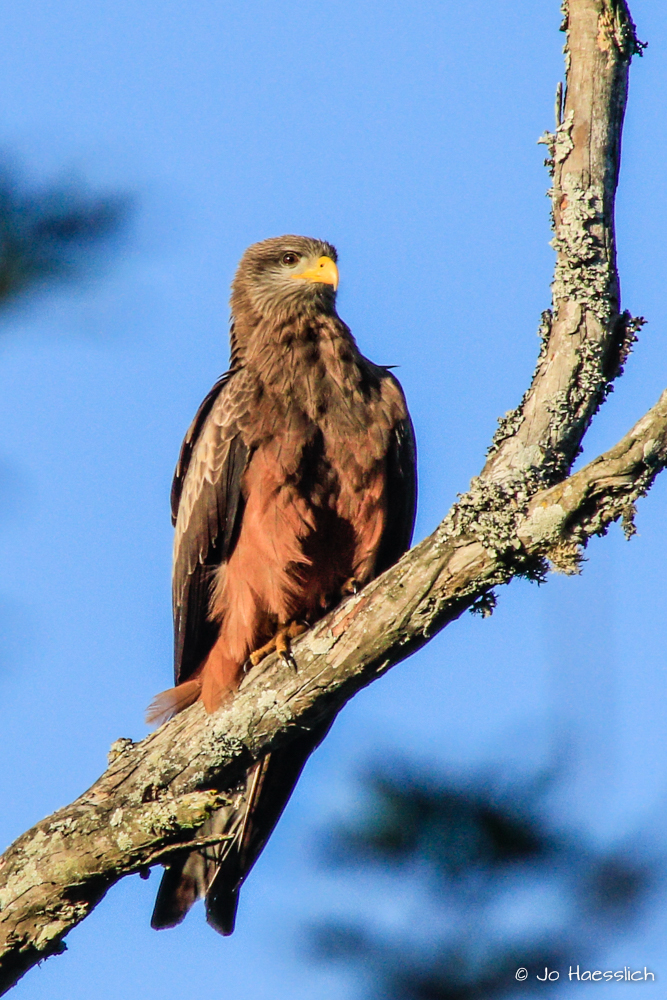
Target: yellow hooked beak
[{"x": 325, "y": 271}]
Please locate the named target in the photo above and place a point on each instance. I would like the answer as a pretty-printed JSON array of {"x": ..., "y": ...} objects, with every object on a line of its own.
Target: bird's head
[{"x": 286, "y": 276}]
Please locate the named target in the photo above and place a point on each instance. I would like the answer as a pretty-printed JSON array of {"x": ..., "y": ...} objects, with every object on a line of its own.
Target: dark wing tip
[
  {"x": 176, "y": 895},
  {"x": 221, "y": 909}
]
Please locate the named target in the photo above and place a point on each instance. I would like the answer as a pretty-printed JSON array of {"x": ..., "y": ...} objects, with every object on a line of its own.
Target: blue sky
[{"x": 406, "y": 135}]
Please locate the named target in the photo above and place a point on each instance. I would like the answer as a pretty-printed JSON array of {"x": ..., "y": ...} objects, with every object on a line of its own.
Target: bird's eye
[{"x": 290, "y": 258}]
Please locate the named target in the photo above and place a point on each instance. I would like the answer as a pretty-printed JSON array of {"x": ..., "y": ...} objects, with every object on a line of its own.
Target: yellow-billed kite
[{"x": 295, "y": 486}]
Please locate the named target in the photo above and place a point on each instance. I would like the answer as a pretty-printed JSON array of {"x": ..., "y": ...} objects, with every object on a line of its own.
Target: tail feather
[
  {"x": 178, "y": 891},
  {"x": 191, "y": 877},
  {"x": 215, "y": 683},
  {"x": 216, "y": 873},
  {"x": 168, "y": 703}
]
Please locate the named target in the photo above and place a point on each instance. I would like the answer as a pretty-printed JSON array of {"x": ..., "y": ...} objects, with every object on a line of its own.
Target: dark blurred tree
[
  {"x": 52, "y": 233},
  {"x": 48, "y": 235},
  {"x": 497, "y": 886}
]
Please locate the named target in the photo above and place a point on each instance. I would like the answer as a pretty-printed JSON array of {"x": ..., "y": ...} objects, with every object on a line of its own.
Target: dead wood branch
[{"x": 518, "y": 516}]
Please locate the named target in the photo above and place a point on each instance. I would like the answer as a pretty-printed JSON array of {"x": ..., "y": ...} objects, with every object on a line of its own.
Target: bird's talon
[
  {"x": 258, "y": 654},
  {"x": 288, "y": 660}
]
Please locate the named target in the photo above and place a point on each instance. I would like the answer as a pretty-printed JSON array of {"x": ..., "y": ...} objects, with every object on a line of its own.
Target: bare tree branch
[{"x": 156, "y": 794}]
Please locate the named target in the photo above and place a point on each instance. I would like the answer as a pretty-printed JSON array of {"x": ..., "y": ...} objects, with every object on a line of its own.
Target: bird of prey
[{"x": 295, "y": 486}]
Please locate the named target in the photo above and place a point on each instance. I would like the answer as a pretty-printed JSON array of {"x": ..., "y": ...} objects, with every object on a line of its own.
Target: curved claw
[{"x": 288, "y": 659}]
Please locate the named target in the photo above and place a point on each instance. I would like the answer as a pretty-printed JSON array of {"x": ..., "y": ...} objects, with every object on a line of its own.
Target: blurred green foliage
[
  {"x": 490, "y": 884},
  {"x": 53, "y": 233}
]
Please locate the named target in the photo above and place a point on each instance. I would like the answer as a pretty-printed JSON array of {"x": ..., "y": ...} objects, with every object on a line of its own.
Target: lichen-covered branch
[
  {"x": 585, "y": 336},
  {"x": 520, "y": 516}
]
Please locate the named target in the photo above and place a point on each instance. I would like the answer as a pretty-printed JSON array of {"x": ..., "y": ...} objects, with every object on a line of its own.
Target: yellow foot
[
  {"x": 350, "y": 586},
  {"x": 280, "y": 644}
]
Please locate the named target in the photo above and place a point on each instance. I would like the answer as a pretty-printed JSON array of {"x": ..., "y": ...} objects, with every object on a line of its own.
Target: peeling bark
[{"x": 520, "y": 516}]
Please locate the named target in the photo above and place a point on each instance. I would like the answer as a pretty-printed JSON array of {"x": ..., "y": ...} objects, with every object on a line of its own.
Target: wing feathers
[
  {"x": 207, "y": 503},
  {"x": 190, "y": 440},
  {"x": 401, "y": 494}
]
